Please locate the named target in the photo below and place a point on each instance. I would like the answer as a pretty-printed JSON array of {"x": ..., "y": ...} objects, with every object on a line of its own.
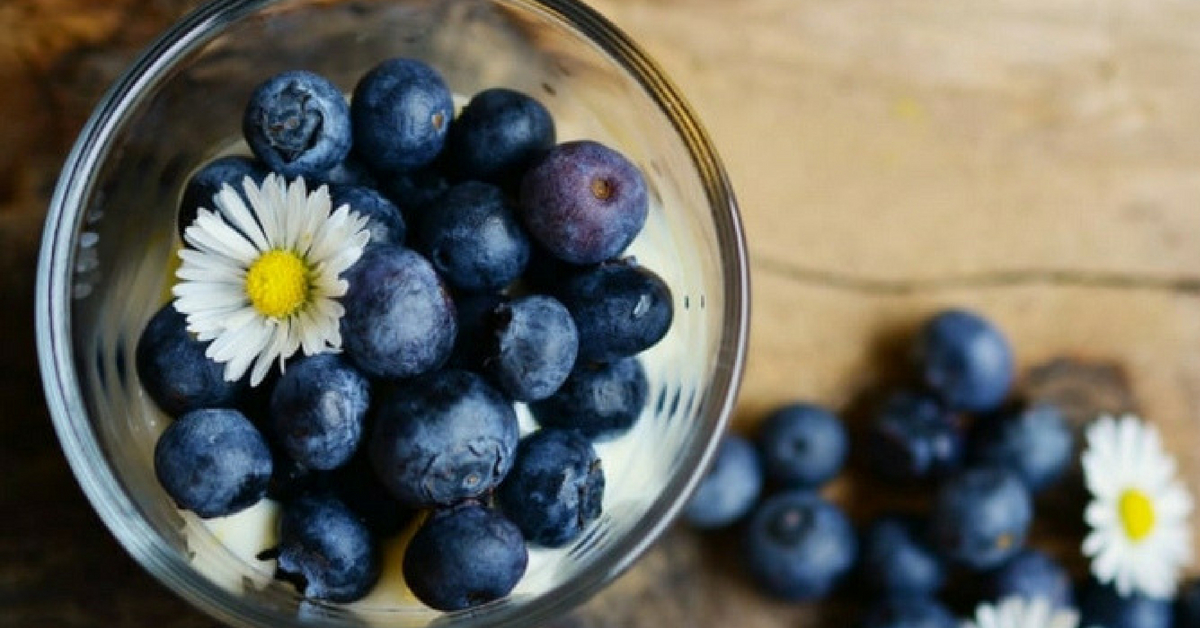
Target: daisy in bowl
[
  {"x": 260, "y": 276},
  {"x": 1140, "y": 538},
  {"x": 1022, "y": 612}
]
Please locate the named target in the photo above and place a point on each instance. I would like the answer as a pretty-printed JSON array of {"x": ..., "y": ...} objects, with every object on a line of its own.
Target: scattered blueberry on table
[
  {"x": 897, "y": 559},
  {"x": 965, "y": 359},
  {"x": 914, "y": 436},
  {"x": 798, "y": 546},
  {"x": 730, "y": 487},
  {"x": 803, "y": 445},
  {"x": 909, "y": 612},
  {"x": 981, "y": 517},
  {"x": 1031, "y": 573},
  {"x": 1102, "y": 605},
  {"x": 1035, "y": 442}
]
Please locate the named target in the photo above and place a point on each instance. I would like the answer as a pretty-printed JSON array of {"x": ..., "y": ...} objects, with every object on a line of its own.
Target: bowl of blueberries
[{"x": 391, "y": 312}]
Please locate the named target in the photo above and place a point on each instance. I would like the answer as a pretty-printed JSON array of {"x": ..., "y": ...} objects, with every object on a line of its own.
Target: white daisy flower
[
  {"x": 262, "y": 281},
  {"x": 1140, "y": 538},
  {"x": 1022, "y": 612}
]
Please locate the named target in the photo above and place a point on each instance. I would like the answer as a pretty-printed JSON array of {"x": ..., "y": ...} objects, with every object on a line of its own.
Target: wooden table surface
[{"x": 1038, "y": 161}]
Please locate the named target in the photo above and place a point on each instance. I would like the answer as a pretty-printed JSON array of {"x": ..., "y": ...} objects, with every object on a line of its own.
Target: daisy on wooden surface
[{"x": 1140, "y": 539}]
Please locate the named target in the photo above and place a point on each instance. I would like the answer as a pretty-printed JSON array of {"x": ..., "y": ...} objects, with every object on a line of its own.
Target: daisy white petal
[
  {"x": 1138, "y": 515},
  {"x": 1022, "y": 612},
  {"x": 251, "y": 283}
]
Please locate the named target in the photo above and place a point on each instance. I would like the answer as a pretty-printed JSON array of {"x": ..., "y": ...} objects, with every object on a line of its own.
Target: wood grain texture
[{"x": 1036, "y": 161}]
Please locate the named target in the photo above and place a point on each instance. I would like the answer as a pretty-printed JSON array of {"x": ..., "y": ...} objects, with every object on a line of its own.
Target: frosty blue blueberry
[
  {"x": 443, "y": 438},
  {"x": 555, "y": 489},
  {"x": 298, "y": 124},
  {"x": 213, "y": 462},
  {"x": 399, "y": 319},
  {"x": 400, "y": 113},
  {"x": 602, "y": 401},
  {"x": 498, "y": 135},
  {"x": 174, "y": 371},
  {"x": 318, "y": 410},
  {"x": 325, "y": 550},
  {"x": 464, "y": 556}
]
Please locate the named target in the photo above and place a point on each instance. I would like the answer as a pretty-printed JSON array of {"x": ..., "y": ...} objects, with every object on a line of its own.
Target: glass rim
[{"x": 56, "y": 352}]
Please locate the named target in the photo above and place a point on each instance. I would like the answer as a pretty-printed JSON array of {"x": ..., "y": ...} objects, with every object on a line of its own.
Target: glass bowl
[{"x": 110, "y": 240}]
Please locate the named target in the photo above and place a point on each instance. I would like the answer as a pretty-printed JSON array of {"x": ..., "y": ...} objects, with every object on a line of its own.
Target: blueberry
[
  {"x": 620, "y": 308},
  {"x": 174, "y": 371},
  {"x": 476, "y": 329},
  {"x": 1101, "y": 605},
  {"x": 208, "y": 180},
  {"x": 980, "y": 517},
  {"x": 1031, "y": 573},
  {"x": 966, "y": 360},
  {"x": 318, "y": 409},
  {"x": 913, "y": 436},
  {"x": 350, "y": 172},
  {"x": 584, "y": 202},
  {"x": 464, "y": 556},
  {"x": 535, "y": 347},
  {"x": 547, "y": 274},
  {"x": 358, "y": 486},
  {"x": 400, "y": 320},
  {"x": 415, "y": 192},
  {"x": 909, "y": 612},
  {"x": 384, "y": 220},
  {"x": 498, "y": 135},
  {"x": 298, "y": 124},
  {"x": 400, "y": 113},
  {"x": 325, "y": 550},
  {"x": 442, "y": 438},
  {"x": 1187, "y": 605},
  {"x": 600, "y": 400},
  {"x": 729, "y": 489},
  {"x": 213, "y": 462},
  {"x": 802, "y": 445},
  {"x": 473, "y": 238},
  {"x": 798, "y": 546},
  {"x": 1035, "y": 442},
  {"x": 555, "y": 488},
  {"x": 288, "y": 477},
  {"x": 897, "y": 561}
]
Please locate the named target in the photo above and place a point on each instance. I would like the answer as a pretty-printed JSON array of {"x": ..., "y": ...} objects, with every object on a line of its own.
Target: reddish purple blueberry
[{"x": 584, "y": 202}]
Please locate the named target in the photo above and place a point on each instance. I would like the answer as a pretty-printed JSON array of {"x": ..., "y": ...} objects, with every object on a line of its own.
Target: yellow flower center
[
  {"x": 277, "y": 283},
  {"x": 1137, "y": 514}
]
